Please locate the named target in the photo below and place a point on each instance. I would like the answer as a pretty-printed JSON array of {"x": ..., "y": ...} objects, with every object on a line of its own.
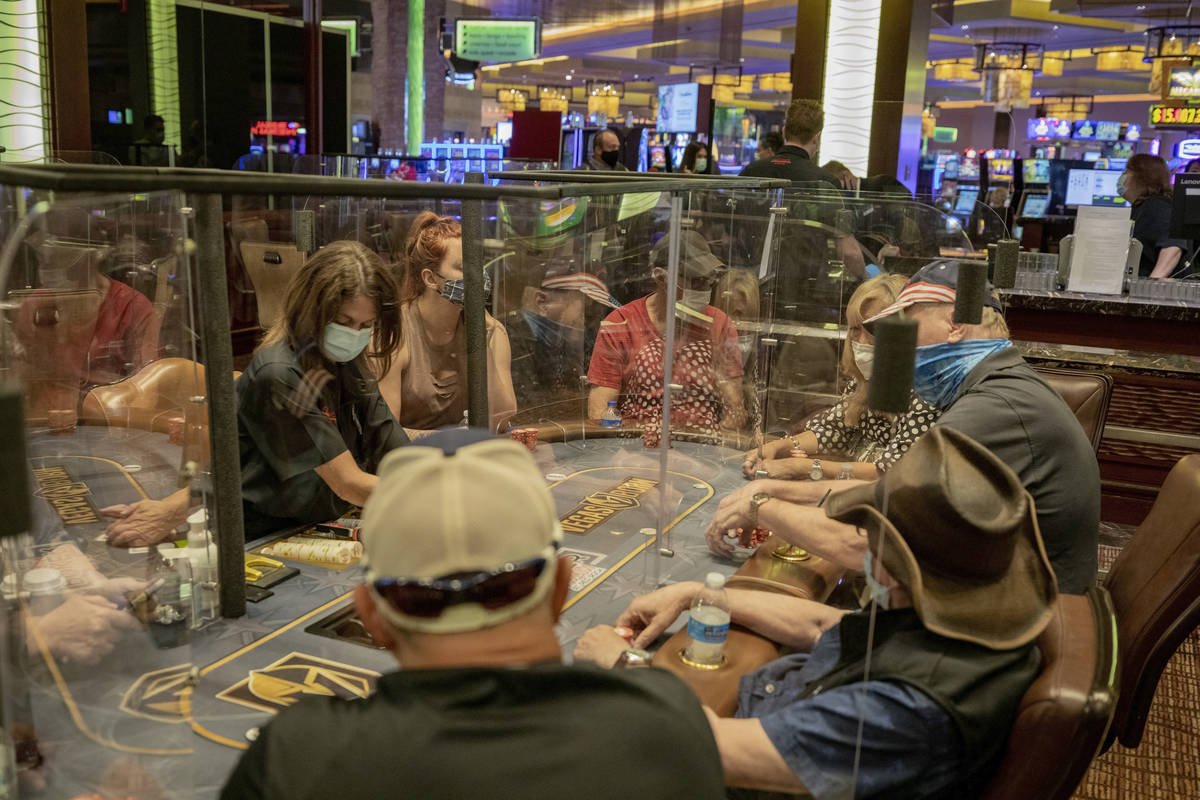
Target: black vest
[{"x": 979, "y": 688}]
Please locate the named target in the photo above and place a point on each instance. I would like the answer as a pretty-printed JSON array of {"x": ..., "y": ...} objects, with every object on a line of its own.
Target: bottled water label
[
  {"x": 606, "y": 422},
  {"x": 706, "y": 633}
]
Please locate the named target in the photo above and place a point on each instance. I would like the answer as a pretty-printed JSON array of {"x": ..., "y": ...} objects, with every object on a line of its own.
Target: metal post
[
  {"x": 476, "y": 328},
  {"x": 673, "y": 260},
  {"x": 415, "y": 77},
  {"x": 225, "y": 504}
]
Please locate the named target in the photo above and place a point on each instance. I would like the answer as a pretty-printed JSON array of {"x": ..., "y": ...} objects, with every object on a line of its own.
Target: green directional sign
[{"x": 497, "y": 40}]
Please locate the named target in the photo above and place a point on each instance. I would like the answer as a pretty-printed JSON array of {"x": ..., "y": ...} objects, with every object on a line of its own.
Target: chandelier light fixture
[
  {"x": 953, "y": 69},
  {"x": 604, "y": 97},
  {"x": 554, "y": 98},
  {"x": 1007, "y": 69},
  {"x": 1119, "y": 59},
  {"x": 1070, "y": 107},
  {"x": 512, "y": 99},
  {"x": 1172, "y": 42}
]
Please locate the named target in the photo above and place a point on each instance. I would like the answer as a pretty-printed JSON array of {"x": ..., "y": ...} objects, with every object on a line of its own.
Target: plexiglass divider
[{"x": 124, "y": 287}]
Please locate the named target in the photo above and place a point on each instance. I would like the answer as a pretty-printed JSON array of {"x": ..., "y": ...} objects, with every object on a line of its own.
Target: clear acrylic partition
[{"x": 97, "y": 331}]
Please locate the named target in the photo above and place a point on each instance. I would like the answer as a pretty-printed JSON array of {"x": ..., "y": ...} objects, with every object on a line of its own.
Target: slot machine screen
[{"x": 965, "y": 202}]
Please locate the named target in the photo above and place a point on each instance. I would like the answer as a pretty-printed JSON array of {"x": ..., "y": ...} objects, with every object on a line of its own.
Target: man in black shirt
[
  {"x": 464, "y": 588},
  {"x": 794, "y": 161}
]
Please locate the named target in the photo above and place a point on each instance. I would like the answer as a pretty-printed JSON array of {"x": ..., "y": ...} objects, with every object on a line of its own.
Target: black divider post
[
  {"x": 895, "y": 355},
  {"x": 15, "y": 517},
  {"x": 476, "y": 329},
  {"x": 226, "y": 499}
]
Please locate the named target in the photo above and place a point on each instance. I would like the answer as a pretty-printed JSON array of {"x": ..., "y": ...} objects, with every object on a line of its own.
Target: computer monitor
[
  {"x": 1093, "y": 187},
  {"x": 1034, "y": 204},
  {"x": 965, "y": 202}
]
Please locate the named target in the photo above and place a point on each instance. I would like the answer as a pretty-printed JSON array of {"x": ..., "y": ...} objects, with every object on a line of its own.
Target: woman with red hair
[
  {"x": 1146, "y": 184},
  {"x": 426, "y": 386}
]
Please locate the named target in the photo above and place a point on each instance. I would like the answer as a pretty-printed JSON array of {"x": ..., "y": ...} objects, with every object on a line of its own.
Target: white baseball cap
[{"x": 457, "y": 502}]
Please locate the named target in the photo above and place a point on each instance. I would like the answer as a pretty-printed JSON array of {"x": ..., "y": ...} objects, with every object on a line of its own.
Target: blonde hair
[
  {"x": 871, "y": 297},
  {"x": 737, "y": 287}
]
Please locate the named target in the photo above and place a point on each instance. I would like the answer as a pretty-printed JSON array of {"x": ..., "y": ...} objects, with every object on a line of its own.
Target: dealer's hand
[
  {"x": 732, "y": 513},
  {"x": 85, "y": 628},
  {"x": 144, "y": 523},
  {"x": 778, "y": 448},
  {"x": 600, "y": 645},
  {"x": 651, "y": 614},
  {"x": 117, "y": 590}
]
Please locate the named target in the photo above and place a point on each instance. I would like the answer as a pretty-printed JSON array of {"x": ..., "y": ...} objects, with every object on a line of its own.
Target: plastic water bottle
[
  {"x": 202, "y": 555},
  {"x": 611, "y": 418},
  {"x": 709, "y": 622}
]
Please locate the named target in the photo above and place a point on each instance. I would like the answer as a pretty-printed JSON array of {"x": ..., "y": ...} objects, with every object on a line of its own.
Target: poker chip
[
  {"x": 649, "y": 531},
  {"x": 252, "y": 734},
  {"x": 699, "y": 486},
  {"x": 623, "y": 632},
  {"x": 555, "y": 476},
  {"x": 132, "y": 467}
]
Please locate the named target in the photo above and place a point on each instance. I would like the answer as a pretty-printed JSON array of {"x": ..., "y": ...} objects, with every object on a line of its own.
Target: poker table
[{"x": 171, "y": 722}]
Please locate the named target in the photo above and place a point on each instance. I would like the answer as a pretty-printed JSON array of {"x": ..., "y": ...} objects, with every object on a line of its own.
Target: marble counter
[{"x": 1101, "y": 304}]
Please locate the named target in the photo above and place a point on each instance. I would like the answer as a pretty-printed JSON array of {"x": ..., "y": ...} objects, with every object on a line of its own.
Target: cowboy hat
[{"x": 954, "y": 525}]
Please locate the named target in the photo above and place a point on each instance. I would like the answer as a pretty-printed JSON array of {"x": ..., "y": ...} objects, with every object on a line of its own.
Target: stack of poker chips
[
  {"x": 327, "y": 550},
  {"x": 526, "y": 436},
  {"x": 753, "y": 537},
  {"x": 175, "y": 430}
]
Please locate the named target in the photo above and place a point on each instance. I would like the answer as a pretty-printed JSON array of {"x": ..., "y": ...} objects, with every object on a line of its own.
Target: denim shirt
[{"x": 909, "y": 742}]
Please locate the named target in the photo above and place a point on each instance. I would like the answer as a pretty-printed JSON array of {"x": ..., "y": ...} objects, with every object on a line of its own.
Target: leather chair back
[
  {"x": 1064, "y": 716},
  {"x": 271, "y": 266},
  {"x": 1155, "y": 586},
  {"x": 1086, "y": 393}
]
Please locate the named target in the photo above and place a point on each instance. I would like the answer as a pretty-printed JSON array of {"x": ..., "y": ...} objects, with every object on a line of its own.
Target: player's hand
[
  {"x": 651, "y": 614},
  {"x": 117, "y": 590},
  {"x": 142, "y": 523},
  {"x": 85, "y": 628},
  {"x": 788, "y": 469},
  {"x": 600, "y": 645},
  {"x": 732, "y": 513},
  {"x": 777, "y": 448}
]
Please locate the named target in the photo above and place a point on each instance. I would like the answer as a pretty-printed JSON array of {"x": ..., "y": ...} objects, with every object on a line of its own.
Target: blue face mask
[
  {"x": 880, "y": 594},
  {"x": 455, "y": 289},
  {"x": 343, "y": 344},
  {"x": 553, "y": 335},
  {"x": 941, "y": 368}
]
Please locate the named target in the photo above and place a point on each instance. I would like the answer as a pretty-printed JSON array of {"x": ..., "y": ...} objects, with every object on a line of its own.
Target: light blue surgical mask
[
  {"x": 701, "y": 165},
  {"x": 1121, "y": 183},
  {"x": 941, "y": 368},
  {"x": 880, "y": 594},
  {"x": 342, "y": 343}
]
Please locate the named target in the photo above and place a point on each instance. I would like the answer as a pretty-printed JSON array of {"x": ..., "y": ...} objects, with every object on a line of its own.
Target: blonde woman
[{"x": 848, "y": 440}]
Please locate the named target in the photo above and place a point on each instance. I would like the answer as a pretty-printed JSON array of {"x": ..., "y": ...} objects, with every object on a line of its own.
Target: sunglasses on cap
[{"x": 429, "y": 597}]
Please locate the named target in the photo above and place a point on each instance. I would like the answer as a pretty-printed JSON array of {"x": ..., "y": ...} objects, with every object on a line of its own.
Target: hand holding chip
[
  {"x": 601, "y": 645},
  {"x": 145, "y": 522},
  {"x": 651, "y": 614},
  {"x": 85, "y": 628}
]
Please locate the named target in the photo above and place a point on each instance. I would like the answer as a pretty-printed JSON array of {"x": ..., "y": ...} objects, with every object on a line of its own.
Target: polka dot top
[{"x": 878, "y": 439}]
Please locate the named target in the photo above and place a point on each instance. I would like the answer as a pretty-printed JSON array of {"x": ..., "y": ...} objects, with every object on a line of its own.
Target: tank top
[{"x": 433, "y": 393}]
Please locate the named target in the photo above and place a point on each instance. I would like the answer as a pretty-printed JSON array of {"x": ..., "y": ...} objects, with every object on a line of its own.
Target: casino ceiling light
[
  {"x": 1007, "y": 69},
  {"x": 954, "y": 69},
  {"x": 1119, "y": 59},
  {"x": 604, "y": 97},
  {"x": 1172, "y": 42},
  {"x": 1070, "y": 107},
  {"x": 512, "y": 99},
  {"x": 554, "y": 98}
]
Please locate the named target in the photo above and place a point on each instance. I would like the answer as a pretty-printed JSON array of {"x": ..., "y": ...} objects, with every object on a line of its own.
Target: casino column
[{"x": 865, "y": 61}]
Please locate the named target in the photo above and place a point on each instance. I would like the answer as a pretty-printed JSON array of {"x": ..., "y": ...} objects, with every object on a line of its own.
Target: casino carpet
[{"x": 1166, "y": 766}]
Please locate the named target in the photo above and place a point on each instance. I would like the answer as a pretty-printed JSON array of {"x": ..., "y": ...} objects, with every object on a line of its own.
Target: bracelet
[{"x": 795, "y": 443}]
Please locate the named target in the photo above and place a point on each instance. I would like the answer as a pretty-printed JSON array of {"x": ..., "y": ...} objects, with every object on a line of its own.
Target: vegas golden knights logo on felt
[
  {"x": 599, "y": 506},
  {"x": 281, "y": 684},
  {"x": 156, "y": 695}
]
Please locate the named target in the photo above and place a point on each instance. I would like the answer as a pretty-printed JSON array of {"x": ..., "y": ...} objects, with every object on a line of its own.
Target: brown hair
[
  {"x": 804, "y": 120},
  {"x": 333, "y": 275},
  {"x": 878, "y": 292},
  {"x": 424, "y": 249},
  {"x": 1150, "y": 173}
]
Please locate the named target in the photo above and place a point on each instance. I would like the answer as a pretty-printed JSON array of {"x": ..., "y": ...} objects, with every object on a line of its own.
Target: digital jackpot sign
[{"x": 1175, "y": 116}]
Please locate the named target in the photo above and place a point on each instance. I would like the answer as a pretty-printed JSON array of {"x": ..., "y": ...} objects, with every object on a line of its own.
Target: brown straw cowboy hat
[{"x": 961, "y": 535}]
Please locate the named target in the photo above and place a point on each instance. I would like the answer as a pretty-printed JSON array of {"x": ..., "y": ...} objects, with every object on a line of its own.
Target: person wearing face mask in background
[
  {"x": 426, "y": 385},
  {"x": 862, "y": 443},
  {"x": 312, "y": 426},
  {"x": 628, "y": 359},
  {"x": 606, "y": 153},
  {"x": 550, "y": 336},
  {"x": 1146, "y": 184},
  {"x": 695, "y": 159}
]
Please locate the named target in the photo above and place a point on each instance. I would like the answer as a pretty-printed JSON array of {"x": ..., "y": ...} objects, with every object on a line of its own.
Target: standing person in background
[
  {"x": 1146, "y": 184},
  {"x": 696, "y": 160},
  {"x": 426, "y": 386},
  {"x": 768, "y": 145},
  {"x": 606, "y": 153},
  {"x": 795, "y": 161}
]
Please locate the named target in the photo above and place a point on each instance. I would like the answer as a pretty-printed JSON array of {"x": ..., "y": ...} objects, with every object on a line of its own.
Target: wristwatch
[
  {"x": 755, "y": 502},
  {"x": 815, "y": 472},
  {"x": 633, "y": 657}
]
